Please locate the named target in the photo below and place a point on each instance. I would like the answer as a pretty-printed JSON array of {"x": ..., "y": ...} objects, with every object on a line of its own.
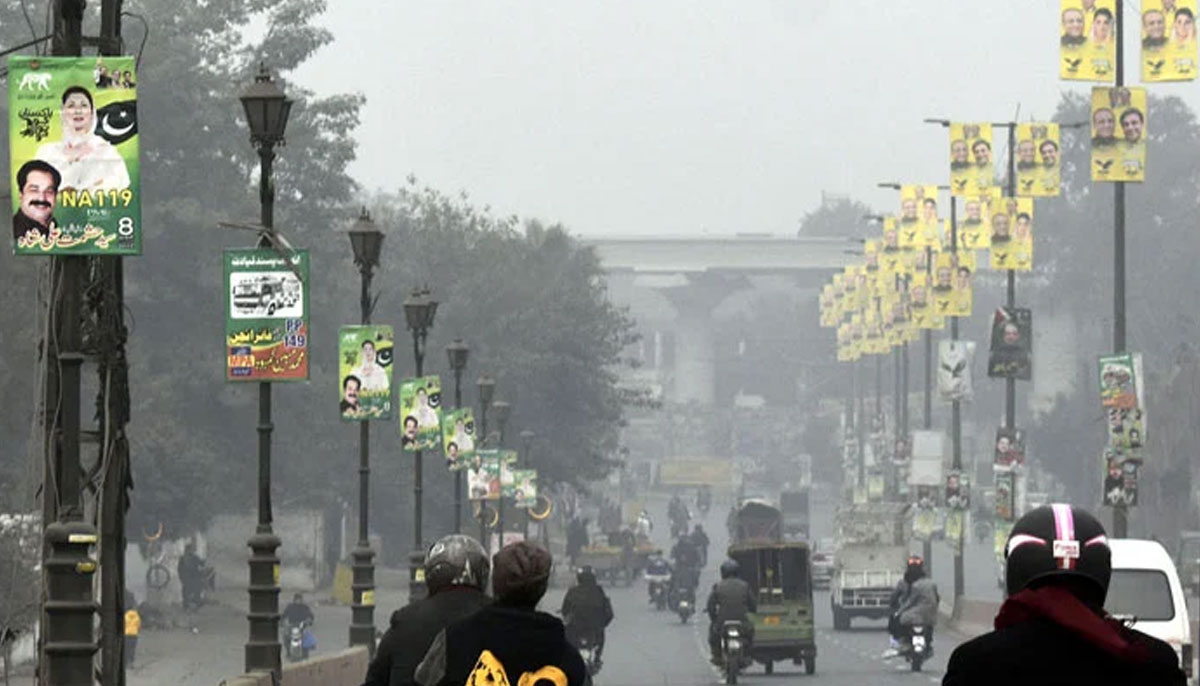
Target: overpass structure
[{"x": 672, "y": 285}]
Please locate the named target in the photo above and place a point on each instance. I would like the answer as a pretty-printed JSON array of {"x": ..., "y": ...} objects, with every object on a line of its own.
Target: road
[{"x": 649, "y": 647}]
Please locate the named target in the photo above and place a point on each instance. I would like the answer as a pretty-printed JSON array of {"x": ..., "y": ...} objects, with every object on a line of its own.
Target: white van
[{"x": 1146, "y": 588}]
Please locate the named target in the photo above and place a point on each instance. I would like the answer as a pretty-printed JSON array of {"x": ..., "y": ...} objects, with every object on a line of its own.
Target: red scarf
[{"x": 1064, "y": 609}]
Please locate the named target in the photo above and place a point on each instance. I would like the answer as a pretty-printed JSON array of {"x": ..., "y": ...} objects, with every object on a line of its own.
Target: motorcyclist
[
  {"x": 587, "y": 611},
  {"x": 191, "y": 577},
  {"x": 298, "y": 613},
  {"x": 730, "y": 600},
  {"x": 704, "y": 498},
  {"x": 456, "y": 574},
  {"x": 658, "y": 571},
  {"x": 678, "y": 512},
  {"x": 700, "y": 541},
  {"x": 644, "y": 526},
  {"x": 920, "y": 605},
  {"x": 684, "y": 553},
  {"x": 894, "y": 603},
  {"x": 1052, "y": 628}
]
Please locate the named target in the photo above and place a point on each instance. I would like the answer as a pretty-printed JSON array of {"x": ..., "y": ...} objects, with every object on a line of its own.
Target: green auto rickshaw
[{"x": 780, "y": 575}]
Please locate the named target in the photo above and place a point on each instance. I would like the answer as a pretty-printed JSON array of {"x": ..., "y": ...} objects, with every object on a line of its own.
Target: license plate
[{"x": 771, "y": 620}]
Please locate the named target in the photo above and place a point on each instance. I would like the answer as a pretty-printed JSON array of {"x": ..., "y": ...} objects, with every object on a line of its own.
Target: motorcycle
[
  {"x": 732, "y": 648},
  {"x": 918, "y": 650},
  {"x": 657, "y": 584},
  {"x": 683, "y": 602},
  {"x": 587, "y": 644},
  {"x": 297, "y": 643}
]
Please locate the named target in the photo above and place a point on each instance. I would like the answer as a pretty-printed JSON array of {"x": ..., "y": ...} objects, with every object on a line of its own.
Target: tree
[{"x": 838, "y": 216}]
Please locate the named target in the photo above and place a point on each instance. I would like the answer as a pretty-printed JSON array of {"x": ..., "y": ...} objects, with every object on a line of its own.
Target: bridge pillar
[{"x": 695, "y": 340}]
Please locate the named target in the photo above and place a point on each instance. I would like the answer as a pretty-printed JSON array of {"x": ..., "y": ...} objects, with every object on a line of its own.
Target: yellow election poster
[
  {"x": 964, "y": 292},
  {"x": 1038, "y": 172},
  {"x": 970, "y": 158},
  {"x": 891, "y": 237},
  {"x": 944, "y": 300},
  {"x": 1168, "y": 40},
  {"x": 918, "y": 216},
  {"x": 1087, "y": 43},
  {"x": 1012, "y": 234},
  {"x": 923, "y": 316},
  {"x": 1119, "y": 157},
  {"x": 973, "y": 229}
]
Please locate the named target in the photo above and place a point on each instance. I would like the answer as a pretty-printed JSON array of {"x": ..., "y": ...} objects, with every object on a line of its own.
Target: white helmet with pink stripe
[{"x": 1054, "y": 541}]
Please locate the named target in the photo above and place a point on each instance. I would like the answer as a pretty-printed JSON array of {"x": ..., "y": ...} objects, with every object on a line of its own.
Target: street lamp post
[
  {"x": 527, "y": 437},
  {"x": 419, "y": 311},
  {"x": 457, "y": 353},
  {"x": 367, "y": 241},
  {"x": 267, "y": 109},
  {"x": 487, "y": 389},
  {"x": 501, "y": 410}
]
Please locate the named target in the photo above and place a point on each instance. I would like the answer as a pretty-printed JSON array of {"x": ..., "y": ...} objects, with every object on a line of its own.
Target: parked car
[
  {"x": 1187, "y": 559},
  {"x": 1145, "y": 588},
  {"x": 822, "y": 563}
]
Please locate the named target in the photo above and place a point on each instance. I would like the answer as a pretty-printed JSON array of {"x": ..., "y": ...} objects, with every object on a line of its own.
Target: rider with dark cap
[
  {"x": 456, "y": 574},
  {"x": 1053, "y": 629},
  {"x": 586, "y": 610},
  {"x": 729, "y": 601}
]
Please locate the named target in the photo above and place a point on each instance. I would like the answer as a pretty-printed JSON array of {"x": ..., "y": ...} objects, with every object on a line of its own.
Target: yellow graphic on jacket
[{"x": 489, "y": 672}]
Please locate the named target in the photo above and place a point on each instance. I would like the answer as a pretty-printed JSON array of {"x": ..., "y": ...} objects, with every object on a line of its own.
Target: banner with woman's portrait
[
  {"x": 971, "y": 165},
  {"x": 525, "y": 490},
  {"x": 458, "y": 437},
  {"x": 73, "y": 153},
  {"x": 1120, "y": 124},
  {"x": 1169, "y": 51},
  {"x": 919, "y": 221},
  {"x": 1011, "y": 237},
  {"x": 420, "y": 413},
  {"x": 1039, "y": 172},
  {"x": 1088, "y": 40},
  {"x": 365, "y": 372}
]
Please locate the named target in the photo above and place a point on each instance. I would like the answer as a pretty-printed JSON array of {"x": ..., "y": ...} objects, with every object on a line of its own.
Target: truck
[
  {"x": 266, "y": 294},
  {"x": 794, "y": 506},
  {"x": 871, "y": 542}
]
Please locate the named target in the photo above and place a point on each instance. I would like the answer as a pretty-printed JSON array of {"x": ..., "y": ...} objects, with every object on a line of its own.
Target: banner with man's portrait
[
  {"x": 1120, "y": 479},
  {"x": 525, "y": 491},
  {"x": 1119, "y": 128},
  {"x": 420, "y": 413},
  {"x": 1120, "y": 386},
  {"x": 508, "y": 484},
  {"x": 365, "y": 372},
  {"x": 919, "y": 221},
  {"x": 1011, "y": 239},
  {"x": 1088, "y": 40},
  {"x": 974, "y": 228},
  {"x": 483, "y": 475},
  {"x": 1039, "y": 173},
  {"x": 1169, "y": 51},
  {"x": 1011, "y": 353},
  {"x": 954, "y": 369},
  {"x": 1006, "y": 491},
  {"x": 73, "y": 154},
  {"x": 971, "y": 166},
  {"x": 458, "y": 437},
  {"x": 1010, "y": 450}
]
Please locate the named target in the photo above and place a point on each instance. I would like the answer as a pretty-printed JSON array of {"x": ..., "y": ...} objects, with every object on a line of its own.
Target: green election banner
[
  {"x": 524, "y": 488},
  {"x": 508, "y": 485},
  {"x": 365, "y": 372},
  {"x": 266, "y": 315},
  {"x": 458, "y": 438},
  {"x": 420, "y": 413},
  {"x": 73, "y": 156}
]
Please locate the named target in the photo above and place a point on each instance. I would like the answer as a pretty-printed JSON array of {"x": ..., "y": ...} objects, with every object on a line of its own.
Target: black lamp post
[
  {"x": 419, "y": 310},
  {"x": 501, "y": 410},
  {"x": 457, "y": 353},
  {"x": 267, "y": 109},
  {"x": 367, "y": 241},
  {"x": 487, "y": 389},
  {"x": 527, "y": 436}
]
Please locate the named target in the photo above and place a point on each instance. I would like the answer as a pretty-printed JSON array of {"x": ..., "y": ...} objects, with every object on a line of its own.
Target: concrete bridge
[{"x": 673, "y": 285}]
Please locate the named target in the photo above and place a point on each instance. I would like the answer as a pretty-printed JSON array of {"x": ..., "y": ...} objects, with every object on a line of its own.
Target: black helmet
[
  {"x": 729, "y": 569},
  {"x": 586, "y": 575},
  {"x": 456, "y": 560},
  {"x": 1057, "y": 540}
]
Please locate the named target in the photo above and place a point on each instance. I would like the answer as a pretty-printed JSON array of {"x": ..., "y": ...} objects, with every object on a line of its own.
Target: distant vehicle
[
  {"x": 794, "y": 506},
  {"x": 872, "y": 548},
  {"x": 1145, "y": 588},
  {"x": 823, "y": 562},
  {"x": 1187, "y": 559},
  {"x": 266, "y": 294}
]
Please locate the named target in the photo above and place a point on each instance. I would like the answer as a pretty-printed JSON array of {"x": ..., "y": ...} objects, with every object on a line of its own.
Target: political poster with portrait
[
  {"x": 1000, "y": 536},
  {"x": 958, "y": 491},
  {"x": 508, "y": 462},
  {"x": 266, "y": 315},
  {"x": 974, "y": 229},
  {"x": 954, "y": 369},
  {"x": 1120, "y": 479},
  {"x": 1120, "y": 386},
  {"x": 1126, "y": 428},
  {"x": 420, "y": 413},
  {"x": 458, "y": 437},
  {"x": 1011, "y": 239},
  {"x": 1169, "y": 51},
  {"x": 1087, "y": 42},
  {"x": 1010, "y": 450},
  {"x": 1011, "y": 352},
  {"x": 73, "y": 155},
  {"x": 953, "y": 529},
  {"x": 1039, "y": 173},
  {"x": 483, "y": 475},
  {"x": 365, "y": 372},
  {"x": 1119, "y": 128},
  {"x": 1006, "y": 491},
  {"x": 919, "y": 221},
  {"x": 525, "y": 491},
  {"x": 971, "y": 167}
]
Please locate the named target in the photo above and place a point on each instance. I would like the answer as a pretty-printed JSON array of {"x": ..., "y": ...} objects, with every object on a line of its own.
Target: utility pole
[
  {"x": 956, "y": 418},
  {"x": 1120, "y": 513}
]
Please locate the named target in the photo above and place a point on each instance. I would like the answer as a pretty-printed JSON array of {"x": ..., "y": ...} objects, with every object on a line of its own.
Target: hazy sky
[{"x": 675, "y": 116}]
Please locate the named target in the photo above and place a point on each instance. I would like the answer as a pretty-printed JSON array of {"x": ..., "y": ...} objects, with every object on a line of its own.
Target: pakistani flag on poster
[
  {"x": 458, "y": 437},
  {"x": 365, "y": 372},
  {"x": 266, "y": 315},
  {"x": 420, "y": 413},
  {"x": 524, "y": 488},
  {"x": 73, "y": 156}
]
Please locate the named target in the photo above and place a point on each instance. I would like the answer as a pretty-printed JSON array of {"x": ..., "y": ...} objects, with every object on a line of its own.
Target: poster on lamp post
[
  {"x": 1039, "y": 173},
  {"x": 266, "y": 315},
  {"x": 483, "y": 475},
  {"x": 73, "y": 156},
  {"x": 1120, "y": 386},
  {"x": 1120, "y": 479},
  {"x": 1010, "y": 450},
  {"x": 1169, "y": 49},
  {"x": 420, "y": 413},
  {"x": 1010, "y": 354},
  {"x": 458, "y": 437},
  {"x": 365, "y": 372},
  {"x": 524, "y": 488},
  {"x": 971, "y": 166},
  {"x": 1087, "y": 41},
  {"x": 508, "y": 462},
  {"x": 954, "y": 369},
  {"x": 1119, "y": 128}
]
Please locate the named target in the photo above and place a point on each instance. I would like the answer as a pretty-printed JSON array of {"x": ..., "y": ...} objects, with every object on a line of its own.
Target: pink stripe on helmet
[
  {"x": 1064, "y": 530},
  {"x": 1097, "y": 540},
  {"x": 1019, "y": 540}
]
